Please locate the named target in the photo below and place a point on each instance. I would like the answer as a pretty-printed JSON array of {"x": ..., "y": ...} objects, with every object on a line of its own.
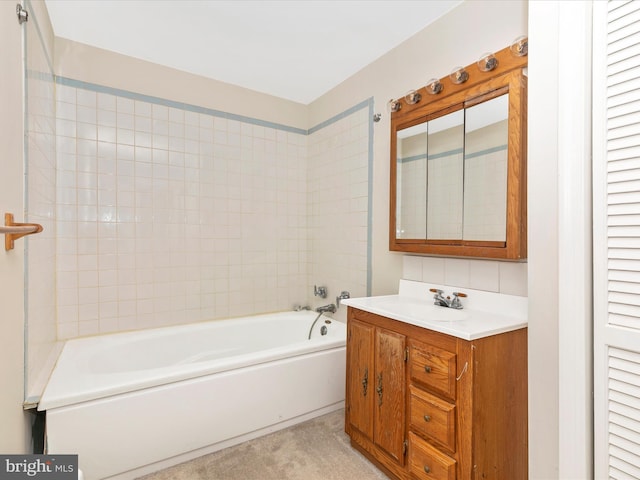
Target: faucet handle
[
  {"x": 455, "y": 303},
  {"x": 437, "y": 291},
  {"x": 320, "y": 291},
  {"x": 343, "y": 296}
]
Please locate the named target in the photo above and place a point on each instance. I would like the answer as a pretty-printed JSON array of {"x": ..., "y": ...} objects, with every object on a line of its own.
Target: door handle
[
  {"x": 365, "y": 382},
  {"x": 379, "y": 389}
]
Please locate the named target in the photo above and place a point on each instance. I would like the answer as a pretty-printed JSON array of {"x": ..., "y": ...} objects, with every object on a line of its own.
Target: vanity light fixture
[
  {"x": 394, "y": 105},
  {"x": 520, "y": 46},
  {"x": 434, "y": 86},
  {"x": 412, "y": 97},
  {"x": 459, "y": 75},
  {"x": 487, "y": 62}
]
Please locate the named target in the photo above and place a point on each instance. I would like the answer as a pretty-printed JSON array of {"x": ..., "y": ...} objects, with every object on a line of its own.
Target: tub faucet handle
[
  {"x": 343, "y": 295},
  {"x": 320, "y": 291}
]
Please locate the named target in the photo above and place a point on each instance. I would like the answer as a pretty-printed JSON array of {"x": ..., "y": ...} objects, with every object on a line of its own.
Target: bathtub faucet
[{"x": 327, "y": 308}]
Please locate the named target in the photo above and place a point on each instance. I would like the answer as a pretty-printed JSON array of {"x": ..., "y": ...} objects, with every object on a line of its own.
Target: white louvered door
[{"x": 616, "y": 240}]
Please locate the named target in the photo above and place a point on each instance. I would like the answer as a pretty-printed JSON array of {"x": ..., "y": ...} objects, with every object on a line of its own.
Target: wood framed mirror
[{"x": 458, "y": 166}]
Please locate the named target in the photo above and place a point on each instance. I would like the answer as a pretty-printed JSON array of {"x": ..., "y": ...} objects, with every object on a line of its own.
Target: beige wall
[
  {"x": 14, "y": 437},
  {"x": 102, "y": 67},
  {"x": 458, "y": 38},
  {"x": 543, "y": 243}
]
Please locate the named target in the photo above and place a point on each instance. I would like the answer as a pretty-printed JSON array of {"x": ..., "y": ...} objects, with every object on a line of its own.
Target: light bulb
[
  {"x": 487, "y": 62},
  {"x": 434, "y": 86},
  {"x": 412, "y": 97},
  {"x": 393, "y": 105},
  {"x": 459, "y": 75},
  {"x": 520, "y": 46}
]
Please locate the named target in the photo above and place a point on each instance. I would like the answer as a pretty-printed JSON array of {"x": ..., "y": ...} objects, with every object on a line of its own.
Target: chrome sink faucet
[{"x": 439, "y": 299}]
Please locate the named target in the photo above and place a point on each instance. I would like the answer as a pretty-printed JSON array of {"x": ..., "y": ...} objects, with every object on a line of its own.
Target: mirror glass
[
  {"x": 486, "y": 134},
  {"x": 451, "y": 175},
  {"x": 411, "y": 176},
  {"x": 445, "y": 176}
]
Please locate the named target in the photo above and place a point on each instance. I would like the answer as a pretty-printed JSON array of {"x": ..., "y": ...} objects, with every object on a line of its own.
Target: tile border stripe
[
  {"x": 70, "y": 82},
  {"x": 340, "y": 116},
  {"x": 370, "y": 201}
]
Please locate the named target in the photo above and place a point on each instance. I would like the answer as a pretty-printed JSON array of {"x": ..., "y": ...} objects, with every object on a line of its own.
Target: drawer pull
[
  {"x": 427, "y": 368},
  {"x": 427, "y": 469},
  {"x": 427, "y": 418}
]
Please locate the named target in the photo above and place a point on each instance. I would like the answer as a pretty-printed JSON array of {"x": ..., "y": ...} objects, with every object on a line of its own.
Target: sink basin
[{"x": 424, "y": 311}]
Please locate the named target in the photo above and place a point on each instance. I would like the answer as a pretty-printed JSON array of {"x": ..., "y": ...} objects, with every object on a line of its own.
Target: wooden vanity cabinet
[
  {"x": 376, "y": 389},
  {"x": 424, "y": 405}
]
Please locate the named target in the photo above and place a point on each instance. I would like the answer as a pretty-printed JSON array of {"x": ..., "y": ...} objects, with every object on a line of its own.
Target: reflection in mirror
[
  {"x": 485, "y": 170},
  {"x": 445, "y": 177},
  {"x": 411, "y": 178}
]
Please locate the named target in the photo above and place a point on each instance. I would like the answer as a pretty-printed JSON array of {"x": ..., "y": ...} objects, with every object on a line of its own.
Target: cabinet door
[
  {"x": 360, "y": 375},
  {"x": 390, "y": 393}
]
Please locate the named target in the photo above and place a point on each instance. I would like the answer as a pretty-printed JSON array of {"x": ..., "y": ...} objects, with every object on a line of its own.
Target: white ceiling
[{"x": 296, "y": 50}]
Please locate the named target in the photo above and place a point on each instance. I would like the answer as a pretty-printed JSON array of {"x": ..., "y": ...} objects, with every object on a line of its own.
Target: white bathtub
[{"x": 132, "y": 403}]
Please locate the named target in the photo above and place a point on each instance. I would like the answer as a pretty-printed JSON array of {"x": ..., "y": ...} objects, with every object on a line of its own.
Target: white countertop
[{"x": 484, "y": 313}]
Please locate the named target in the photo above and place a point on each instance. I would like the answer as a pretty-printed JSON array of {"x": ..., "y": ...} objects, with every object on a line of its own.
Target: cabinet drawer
[
  {"x": 427, "y": 463},
  {"x": 434, "y": 368},
  {"x": 433, "y": 418}
]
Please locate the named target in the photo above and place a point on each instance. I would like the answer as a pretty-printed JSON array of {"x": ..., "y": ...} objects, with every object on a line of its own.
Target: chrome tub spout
[{"x": 331, "y": 308}]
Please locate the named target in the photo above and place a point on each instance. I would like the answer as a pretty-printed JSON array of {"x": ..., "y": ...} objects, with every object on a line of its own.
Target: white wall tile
[
  {"x": 86, "y": 98},
  {"x": 412, "y": 268},
  {"x": 65, "y": 93},
  {"x": 513, "y": 278},
  {"x": 86, "y": 114},
  {"x": 67, "y": 330},
  {"x": 106, "y": 101},
  {"x": 433, "y": 270},
  {"x": 142, "y": 108},
  {"x": 484, "y": 275},
  {"x": 456, "y": 272}
]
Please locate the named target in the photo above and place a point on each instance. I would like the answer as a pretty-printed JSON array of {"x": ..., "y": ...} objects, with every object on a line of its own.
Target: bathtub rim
[{"x": 64, "y": 387}]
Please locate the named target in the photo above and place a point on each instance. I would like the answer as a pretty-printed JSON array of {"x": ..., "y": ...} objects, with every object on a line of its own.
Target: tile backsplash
[{"x": 489, "y": 275}]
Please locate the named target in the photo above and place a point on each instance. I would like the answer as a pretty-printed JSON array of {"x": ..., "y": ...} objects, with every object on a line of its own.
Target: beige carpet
[{"x": 315, "y": 450}]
